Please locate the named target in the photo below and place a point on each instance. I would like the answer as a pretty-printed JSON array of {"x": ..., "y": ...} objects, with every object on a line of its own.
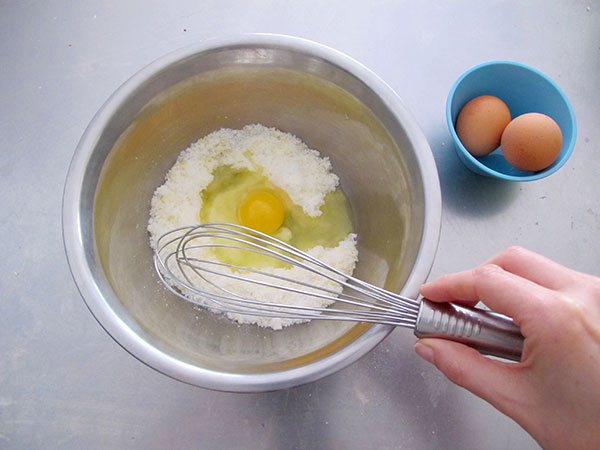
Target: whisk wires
[{"x": 186, "y": 263}]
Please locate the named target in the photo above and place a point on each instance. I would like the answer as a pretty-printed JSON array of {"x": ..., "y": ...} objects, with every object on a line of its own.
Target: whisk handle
[{"x": 488, "y": 332}]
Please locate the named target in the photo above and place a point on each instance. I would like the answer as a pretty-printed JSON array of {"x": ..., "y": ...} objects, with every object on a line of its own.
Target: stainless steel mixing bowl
[{"x": 331, "y": 102}]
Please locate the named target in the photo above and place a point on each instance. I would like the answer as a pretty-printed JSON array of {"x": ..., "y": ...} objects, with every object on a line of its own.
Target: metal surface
[
  {"x": 66, "y": 384},
  {"x": 187, "y": 262}
]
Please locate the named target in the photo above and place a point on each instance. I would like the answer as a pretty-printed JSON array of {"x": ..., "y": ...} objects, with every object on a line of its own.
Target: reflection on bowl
[
  {"x": 523, "y": 89},
  {"x": 330, "y": 102}
]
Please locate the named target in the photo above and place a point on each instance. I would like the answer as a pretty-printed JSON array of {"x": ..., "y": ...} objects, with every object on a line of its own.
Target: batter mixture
[{"x": 267, "y": 180}]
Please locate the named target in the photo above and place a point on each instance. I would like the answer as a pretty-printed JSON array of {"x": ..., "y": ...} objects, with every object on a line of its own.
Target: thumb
[{"x": 496, "y": 382}]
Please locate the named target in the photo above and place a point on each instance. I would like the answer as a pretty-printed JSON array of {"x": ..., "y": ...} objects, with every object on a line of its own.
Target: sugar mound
[{"x": 286, "y": 162}]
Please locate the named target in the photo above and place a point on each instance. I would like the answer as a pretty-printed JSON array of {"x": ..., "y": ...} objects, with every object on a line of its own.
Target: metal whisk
[{"x": 186, "y": 262}]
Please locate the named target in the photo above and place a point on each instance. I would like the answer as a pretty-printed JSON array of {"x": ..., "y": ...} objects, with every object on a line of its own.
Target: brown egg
[
  {"x": 531, "y": 142},
  {"x": 480, "y": 124}
]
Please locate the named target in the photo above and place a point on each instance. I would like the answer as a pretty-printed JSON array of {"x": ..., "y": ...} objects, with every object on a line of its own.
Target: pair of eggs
[{"x": 530, "y": 142}]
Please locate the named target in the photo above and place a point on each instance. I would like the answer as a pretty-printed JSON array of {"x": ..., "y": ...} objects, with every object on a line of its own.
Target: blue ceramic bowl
[{"x": 523, "y": 89}]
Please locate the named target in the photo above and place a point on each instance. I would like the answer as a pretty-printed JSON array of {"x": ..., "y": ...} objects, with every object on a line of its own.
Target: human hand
[{"x": 554, "y": 392}]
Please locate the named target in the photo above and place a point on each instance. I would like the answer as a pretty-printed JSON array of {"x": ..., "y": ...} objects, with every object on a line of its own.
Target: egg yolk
[{"x": 262, "y": 211}]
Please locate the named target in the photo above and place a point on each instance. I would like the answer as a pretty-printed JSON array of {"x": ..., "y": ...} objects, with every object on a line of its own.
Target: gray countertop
[{"x": 64, "y": 383}]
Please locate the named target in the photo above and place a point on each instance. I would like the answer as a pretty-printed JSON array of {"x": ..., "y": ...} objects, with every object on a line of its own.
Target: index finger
[
  {"x": 534, "y": 267},
  {"x": 501, "y": 291}
]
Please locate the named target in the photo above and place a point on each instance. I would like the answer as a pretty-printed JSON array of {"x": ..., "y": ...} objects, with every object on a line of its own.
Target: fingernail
[{"x": 424, "y": 351}]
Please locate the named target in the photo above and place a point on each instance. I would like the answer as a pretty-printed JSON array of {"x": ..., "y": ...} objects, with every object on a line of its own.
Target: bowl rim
[
  {"x": 475, "y": 161},
  {"x": 91, "y": 289}
]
